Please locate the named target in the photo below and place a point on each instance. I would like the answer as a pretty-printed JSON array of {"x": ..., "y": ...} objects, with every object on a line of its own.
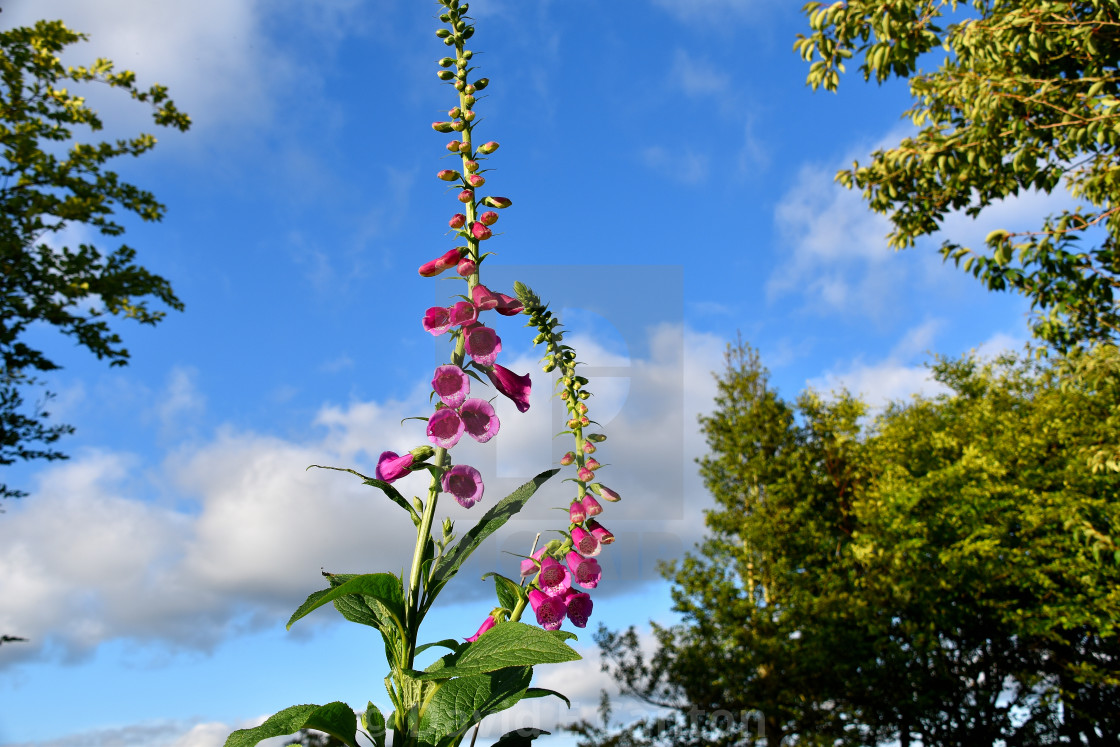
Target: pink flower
[
  {"x": 576, "y": 512},
  {"x": 586, "y": 570},
  {"x": 453, "y": 146},
  {"x": 392, "y": 467},
  {"x": 529, "y": 566},
  {"x": 448, "y": 175},
  {"x": 599, "y": 532},
  {"x": 592, "y": 463},
  {"x": 585, "y": 543},
  {"x": 508, "y": 305},
  {"x": 553, "y": 579},
  {"x": 606, "y": 493},
  {"x": 483, "y": 298},
  {"x": 463, "y": 312},
  {"x": 483, "y": 345},
  {"x": 464, "y": 483},
  {"x": 488, "y": 218},
  {"x": 591, "y": 506},
  {"x": 488, "y": 623},
  {"x": 585, "y": 475},
  {"x": 476, "y": 180},
  {"x": 480, "y": 231},
  {"x": 479, "y": 419},
  {"x": 579, "y": 607},
  {"x": 437, "y": 320},
  {"x": 445, "y": 427},
  {"x": 567, "y": 459},
  {"x": 511, "y": 385},
  {"x": 550, "y": 610},
  {"x": 457, "y": 221},
  {"x": 466, "y": 196},
  {"x": 441, "y": 263},
  {"x": 467, "y": 267},
  {"x": 451, "y": 384}
]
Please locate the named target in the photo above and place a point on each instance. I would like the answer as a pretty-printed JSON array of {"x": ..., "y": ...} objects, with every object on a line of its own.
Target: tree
[
  {"x": 49, "y": 183},
  {"x": 916, "y": 578},
  {"x": 1025, "y": 96}
]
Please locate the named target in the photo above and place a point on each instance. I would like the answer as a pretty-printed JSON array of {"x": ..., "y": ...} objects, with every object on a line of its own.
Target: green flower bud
[
  {"x": 447, "y": 62},
  {"x": 459, "y": 85},
  {"x": 481, "y": 83},
  {"x": 458, "y": 125},
  {"x": 468, "y": 32},
  {"x": 596, "y": 437},
  {"x": 449, "y": 41},
  {"x": 467, "y": 54},
  {"x": 443, "y": 33},
  {"x": 469, "y": 90},
  {"x": 464, "y": 7},
  {"x": 441, "y": 126},
  {"x": 468, "y": 116},
  {"x": 488, "y": 148},
  {"x": 454, "y": 113},
  {"x": 460, "y": 25},
  {"x": 422, "y": 453},
  {"x": 444, "y": 17},
  {"x": 453, "y": 146},
  {"x": 445, "y": 75},
  {"x": 468, "y": 101}
]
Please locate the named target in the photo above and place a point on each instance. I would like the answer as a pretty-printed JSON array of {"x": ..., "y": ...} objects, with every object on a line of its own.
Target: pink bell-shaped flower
[
  {"x": 550, "y": 610},
  {"x": 445, "y": 428},
  {"x": 591, "y": 506},
  {"x": 553, "y": 579},
  {"x": 585, "y": 570},
  {"x": 483, "y": 298},
  {"x": 530, "y": 566},
  {"x": 479, "y": 420},
  {"x": 451, "y": 384},
  {"x": 579, "y": 607},
  {"x": 487, "y": 624},
  {"x": 508, "y": 305},
  {"x": 464, "y": 483},
  {"x": 437, "y": 320},
  {"x": 483, "y": 345},
  {"x": 599, "y": 532},
  {"x": 392, "y": 467},
  {"x": 576, "y": 512},
  {"x": 585, "y": 543},
  {"x": 511, "y": 385}
]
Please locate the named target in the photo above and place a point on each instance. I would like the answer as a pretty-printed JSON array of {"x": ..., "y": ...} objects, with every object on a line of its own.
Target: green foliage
[
  {"x": 335, "y": 719},
  {"x": 50, "y": 182},
  {"x": 915, "y": 578},
  {"x": 1026, "y": 96}
]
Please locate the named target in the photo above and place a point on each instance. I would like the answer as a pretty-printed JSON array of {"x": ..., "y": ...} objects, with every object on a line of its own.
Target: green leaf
[
  {"x": 460, "y": 703},
  {"x": 382, "y": 592},
  {"x": 450, "y": 643},
  {"x": 509, "y": 592},
  {"x": 374, "y": 723},
  {"x": 448, "y": 565},
  {"x": 336, "y": 719},
  {"x": 519, "y": 737},
  {"x": 544, "y": 692},
  {"x": 509, "y": 644}
]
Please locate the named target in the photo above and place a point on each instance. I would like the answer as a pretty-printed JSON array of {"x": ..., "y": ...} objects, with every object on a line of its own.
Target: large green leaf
[
  {"x": 448, "y": 565},
  {"x": 336, "y": 719},
  {"x": 381, "y": 592},
  {"x": 509, "y": 591},
  {"x": 510, "y": 644},
  {"x": 374, "y": 723},
  {"x": 460, "y": 703}
]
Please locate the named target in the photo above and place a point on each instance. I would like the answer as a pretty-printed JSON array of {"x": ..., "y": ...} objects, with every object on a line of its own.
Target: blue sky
[{"x": 672, "y": 185}]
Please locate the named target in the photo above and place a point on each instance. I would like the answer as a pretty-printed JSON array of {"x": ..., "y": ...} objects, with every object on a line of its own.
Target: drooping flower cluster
[{"x": 456, "y": 412}]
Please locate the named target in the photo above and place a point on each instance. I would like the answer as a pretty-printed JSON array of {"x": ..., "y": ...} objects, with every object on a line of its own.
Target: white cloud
[
  {"x": 697, "y": 77},
  {"x": 231, "y": 531}
]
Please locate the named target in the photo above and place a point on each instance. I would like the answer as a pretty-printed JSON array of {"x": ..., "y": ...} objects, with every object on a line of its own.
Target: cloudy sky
[{"x": 672, "y": 185}]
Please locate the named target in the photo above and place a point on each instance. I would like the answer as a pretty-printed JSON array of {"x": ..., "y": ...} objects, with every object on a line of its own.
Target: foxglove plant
[{"x": 492, "y": 669}]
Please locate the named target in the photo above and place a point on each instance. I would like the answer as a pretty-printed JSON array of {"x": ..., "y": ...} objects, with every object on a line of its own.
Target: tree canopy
[
  {"x": 1025, "y": 96},
  {"x": 937, "y": 573},
  {"x": 48, "y": 183}
]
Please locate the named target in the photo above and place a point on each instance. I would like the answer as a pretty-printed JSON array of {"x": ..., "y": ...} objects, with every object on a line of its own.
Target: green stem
[{"x": 423, "y": 535}]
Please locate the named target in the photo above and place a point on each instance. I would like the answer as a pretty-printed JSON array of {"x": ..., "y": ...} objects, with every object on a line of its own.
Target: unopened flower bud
[
  {"x": 443, "y": 33},
  {"x": 596, "y": 437},
  {"x": 453, "y": 146},
  {"x": 588, "y": 447},
  {"x": 576, "y": 513},
  {"x": 468, "y": 101},
  {"x": 422, "y": 453},
  {"x": 488, "y": 218},
  {"x": 468, "y": 116},
  {"x": 591, "y": 506},
  {"x": 467, "y": 54},
  {"x": 459, "y": 85},
  {"x": 454, "y": 113},
  {"x": 444, "y": 262},
  {"x": 445, "y": 74},
  {"x": 481, "y": 83},
  {"x": 585, "y": 421},
  {"x": 441, "y": 126},
  {"x": 467, "y": 267},
  {"x": 447, "y": 62},
  {"x": 449, "y": 175},
  {"x": 449, "y": 41},
  {"x": 476, "y": 180},
  {"x": 480, "y": 231},
  {"x": 458, "y": 125},
  {"x": 581, "y": 407},
  {"x": 466, "y": 196},
  {"x": 457, "y": 221},
  {"x": 604, "y": 492},
  {"x": 568, "y": 458},
  {"x": 585, "y": 475},
  {"x": 564, "y": 394},
  {"x": 445, "y": 17},
  {"x": 599, "y": 532},
  {"x": 468, "y": 32},
  {"x": 592, "y": 464},
  {"x": 469, "y": 89},
  {"x": 488, "y": 148},
  {"x": 584, "y": 394},
  {"x": 471, "y": 166},
  {"x": 496, "y": 202},
  {"x": 573, "y": 423}
]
